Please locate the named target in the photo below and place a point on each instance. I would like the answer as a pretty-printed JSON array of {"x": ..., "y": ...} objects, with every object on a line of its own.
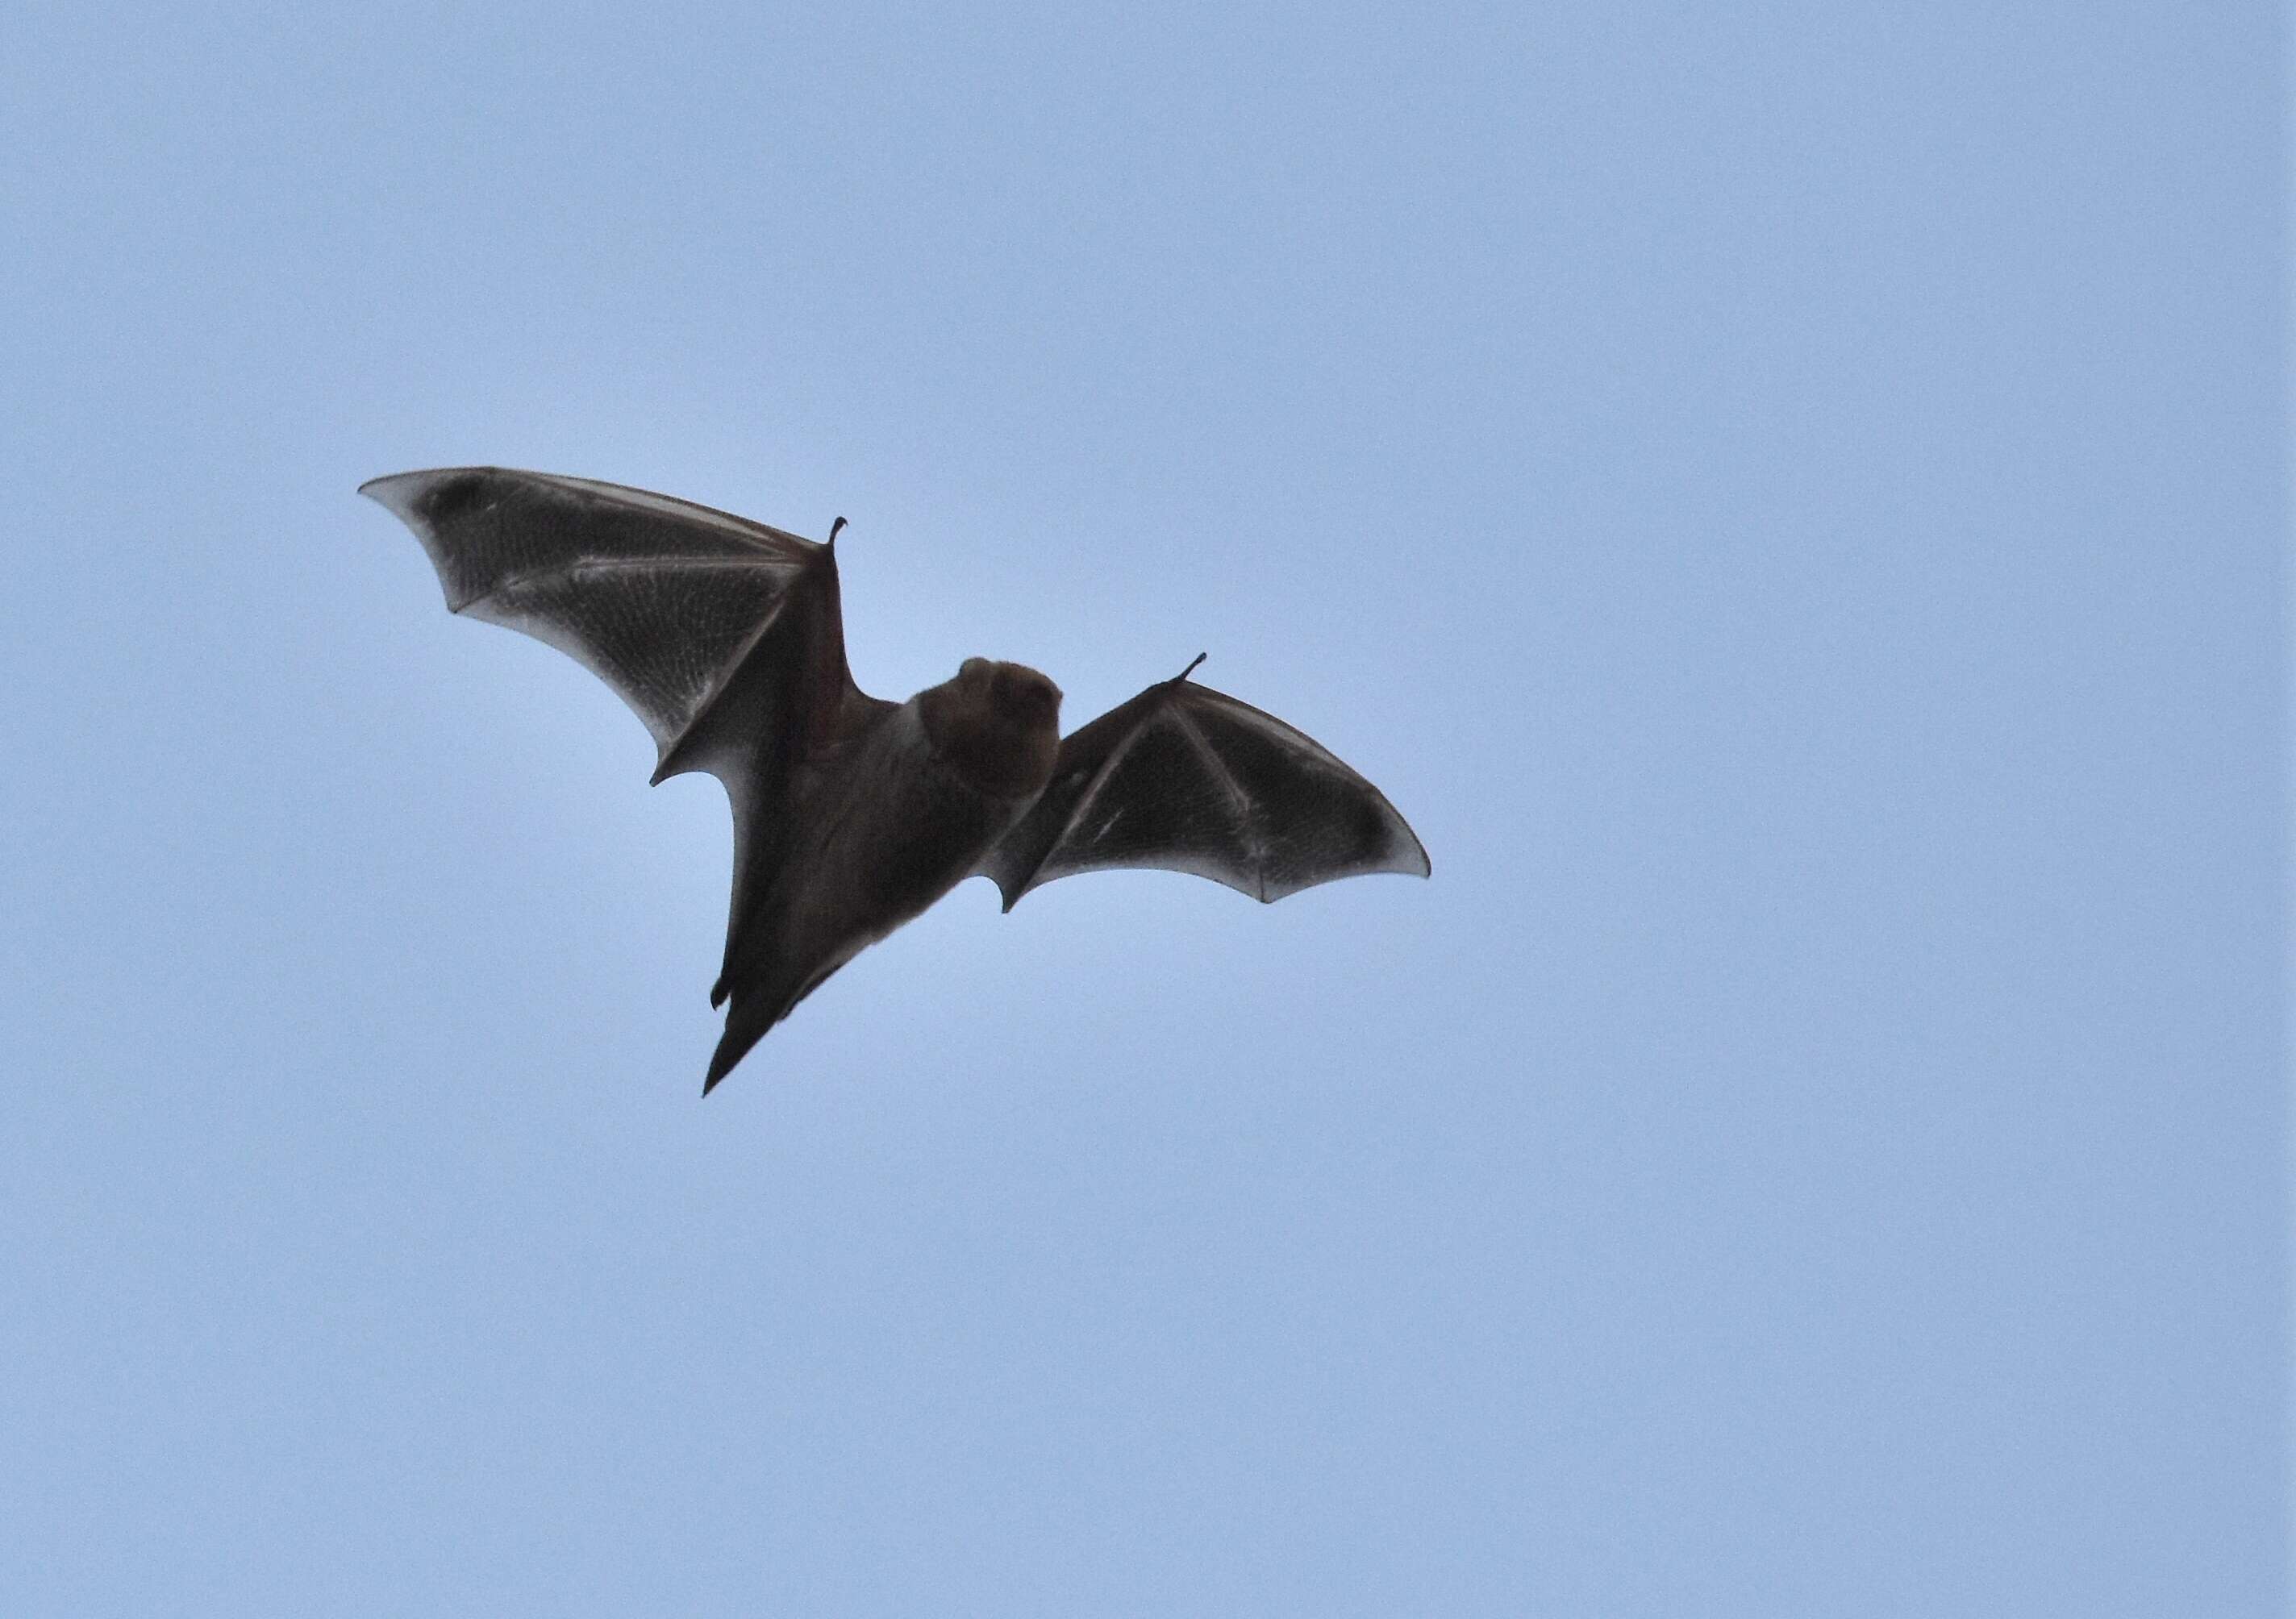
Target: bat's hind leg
[{"x": 750, "y": 1018}]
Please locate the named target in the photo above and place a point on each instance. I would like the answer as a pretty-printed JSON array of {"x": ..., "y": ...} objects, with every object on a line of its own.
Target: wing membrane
[
  {"x": 660, "y": 598},
  {"x": 1187, "y": 779}
]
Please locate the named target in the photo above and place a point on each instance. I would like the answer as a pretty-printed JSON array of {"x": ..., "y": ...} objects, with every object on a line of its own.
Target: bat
[{"x": 852, "y": 815}]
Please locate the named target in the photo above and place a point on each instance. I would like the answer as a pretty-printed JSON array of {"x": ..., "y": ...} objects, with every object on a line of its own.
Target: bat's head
[{"x": 998, "y": 725}]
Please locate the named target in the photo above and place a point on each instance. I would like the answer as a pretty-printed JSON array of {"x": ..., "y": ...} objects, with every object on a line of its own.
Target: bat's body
[
  {"x": 852, "y": 815},
  {"x": 872, "y": 847}
]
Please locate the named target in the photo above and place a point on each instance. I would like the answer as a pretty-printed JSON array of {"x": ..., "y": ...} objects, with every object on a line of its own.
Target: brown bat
[{"x": 852, "y": 815}]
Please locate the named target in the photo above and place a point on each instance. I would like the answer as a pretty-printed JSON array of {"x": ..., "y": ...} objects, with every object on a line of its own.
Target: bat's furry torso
[{"x": 906, "y": 814}]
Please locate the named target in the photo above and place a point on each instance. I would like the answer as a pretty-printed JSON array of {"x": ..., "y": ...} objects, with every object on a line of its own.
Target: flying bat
[{"x": 851, "y": 813}]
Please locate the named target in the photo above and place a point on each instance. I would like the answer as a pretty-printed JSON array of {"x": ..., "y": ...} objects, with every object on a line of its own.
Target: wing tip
[
  {"x": 1407, "y": 857},
  {"x": 412, "y": 497},
  {"x": 389, "y": 492},
  {"x": 400, "y": 491}
]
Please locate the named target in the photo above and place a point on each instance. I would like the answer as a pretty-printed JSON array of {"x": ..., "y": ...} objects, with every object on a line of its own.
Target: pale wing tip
[
  {"x": 393, "y": 488},
  {"x": 1402, "y": 856},
  {"x": 1416, "y": 863},
  {"x": 398, "y": 492},
  {"x": 389, "y": 490},
  {"x": 402, "y": 494}
]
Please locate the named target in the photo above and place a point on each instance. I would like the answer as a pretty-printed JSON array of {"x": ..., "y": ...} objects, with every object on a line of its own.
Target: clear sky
[{"x": 1788, "y": 499}]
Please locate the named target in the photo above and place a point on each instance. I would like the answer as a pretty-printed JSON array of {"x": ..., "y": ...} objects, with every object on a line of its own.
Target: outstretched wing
[
  {"x": 726, "y": 636},
  {"x": 679, "y": 607},
  {"x": 1187, "y": 779}
]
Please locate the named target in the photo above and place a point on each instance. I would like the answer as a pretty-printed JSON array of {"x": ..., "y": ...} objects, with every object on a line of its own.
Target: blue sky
[{"x": 1789, "y": 502}]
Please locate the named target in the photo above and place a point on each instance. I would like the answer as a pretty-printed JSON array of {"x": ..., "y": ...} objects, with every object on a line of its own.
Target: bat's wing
[
  {"x": 725, "y": 635},
  {"x": 1187, "y": 779}
]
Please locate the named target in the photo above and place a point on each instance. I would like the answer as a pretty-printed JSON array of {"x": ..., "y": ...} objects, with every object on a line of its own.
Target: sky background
[{"x": 1789, "y": 502}]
